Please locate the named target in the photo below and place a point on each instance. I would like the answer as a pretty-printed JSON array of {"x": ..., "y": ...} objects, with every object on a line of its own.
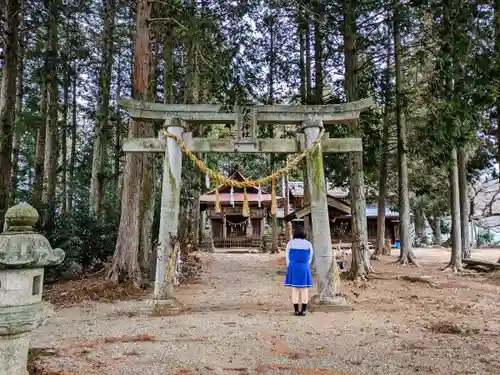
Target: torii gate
[{"x": 246, "y": 118}]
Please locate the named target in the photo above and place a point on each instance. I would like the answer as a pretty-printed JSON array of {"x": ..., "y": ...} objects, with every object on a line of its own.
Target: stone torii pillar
[
  {"x": 328, "y": 293},
  {"x": 169, "y": 222}
]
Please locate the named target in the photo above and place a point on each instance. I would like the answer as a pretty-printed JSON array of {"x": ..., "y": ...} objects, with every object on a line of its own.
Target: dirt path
[{"x": 238, "y": 321}]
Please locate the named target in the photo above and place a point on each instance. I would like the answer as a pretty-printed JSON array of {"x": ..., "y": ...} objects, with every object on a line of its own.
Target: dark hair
[{"x": 299, "y": 232}]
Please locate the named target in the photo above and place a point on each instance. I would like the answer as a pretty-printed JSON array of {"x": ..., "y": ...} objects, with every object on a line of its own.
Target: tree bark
[
  {"x": 308, "y": 61},
  {"x": 437, "y": 232},
  {"x": 19, "y": 106},
  {"x": 118, "y": 130},
  {"x": 125, "y": 265},
  {"x": 72, "y": 155},
  {"x": 270, "y": 101},
  {"x": 40, "y": 151},
  {"x": 8, "y": 99},
  {"x": 456, "y": 236},
  {"x": 464, "y": 203},
  {"x": 497, "y": 58},
  {"x": 168, "y": 73},
  {"x": 302, "y": 63},
  {"x": 406, "y": 252},
  {"x": 52, "y": 128},
  {"x": 380, "y": 248},
  {"x": 419, "y": 223},
  {"x": 150, "y": 166},
  {"x": 318, "y": 54},
  {"x": 360, "y": 264},
  {"x": 64, "y": 136},
  {"x": 309, "y": 99},
  {"x": 102, "y": 130}
]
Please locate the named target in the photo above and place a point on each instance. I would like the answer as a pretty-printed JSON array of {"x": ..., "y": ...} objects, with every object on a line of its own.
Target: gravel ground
[{"x": 237, "y": 321}]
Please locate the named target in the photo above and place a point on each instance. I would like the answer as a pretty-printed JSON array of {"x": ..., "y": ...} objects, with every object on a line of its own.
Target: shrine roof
[{"x": 297, "y": 190}]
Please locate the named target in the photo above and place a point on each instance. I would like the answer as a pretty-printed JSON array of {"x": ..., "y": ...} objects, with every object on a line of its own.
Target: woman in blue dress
[{"x": 299, "y": 254}]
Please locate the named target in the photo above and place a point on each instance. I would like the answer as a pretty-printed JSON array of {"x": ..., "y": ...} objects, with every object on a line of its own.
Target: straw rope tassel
[
  {"x": 246, "y": 207},
  {"x": 217, "y": 198},
  {"x": 274, "y": 204}
]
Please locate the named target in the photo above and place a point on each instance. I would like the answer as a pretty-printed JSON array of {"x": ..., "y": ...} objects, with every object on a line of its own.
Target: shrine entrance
[
  {"x": 310, "y": 144},
  {"x": 232, "y": 225}
]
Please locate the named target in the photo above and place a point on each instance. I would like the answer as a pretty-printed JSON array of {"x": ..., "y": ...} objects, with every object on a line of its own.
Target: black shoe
[
  {"x": 296, "y": 308},
  {"x": 304, "y": 309}
]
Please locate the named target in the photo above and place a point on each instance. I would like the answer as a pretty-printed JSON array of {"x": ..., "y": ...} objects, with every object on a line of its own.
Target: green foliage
[
  {"x": 484, "y": 238},
  {"x": 445, "y": 227},
  {"x": 86, "y": 242}
]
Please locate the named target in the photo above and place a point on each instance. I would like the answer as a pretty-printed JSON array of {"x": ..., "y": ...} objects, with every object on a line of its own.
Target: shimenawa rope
[{"x": 221, "y": 179}]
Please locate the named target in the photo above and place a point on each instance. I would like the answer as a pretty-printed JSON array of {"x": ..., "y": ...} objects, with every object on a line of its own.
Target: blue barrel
[{"x": 398, "y": 245}]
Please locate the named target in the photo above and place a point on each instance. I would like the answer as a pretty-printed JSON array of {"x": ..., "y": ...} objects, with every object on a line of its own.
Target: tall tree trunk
[
  {"x": 125, "y": 264},
  {"x": 380, "y": 248},
  {"x": 72, "y": 156},
  {"x": 168, "y": 74},
  {"x": 473, "y": 240},
  {"x": 8, "y": 99},
  {"x": 309, "y": 99},
  {"x": 406, "y": 254},
  {"x": 302, "y": 63},
  {"x": 40, "y": 150},
  {"x": 270, "y": 100},
  {"x": 168, "y": 80},
  {"x": 437, "y": 230},
  {"x": 308, "y": 60},
  {"x": 450, "y": 64},
  {"x": 456, "y": 237},
  {"x": 435, "y": 223},
  {"x": 150, "y": 166},
  {"x": 52, "y": 128},
  {"x": 153, "y": 69},
  {"x": 19, "y": 106},
  {"x": 360, "y": 265},
  {"x": 64, "y": 136},
  {"x": 102, "y": 131},
  {"x": 464, "y": 203},
  {"x": 497, "y": 91},
  {"x": 118, "y": 130},
  {"x": 305, "y": 80},
  {"x": 419, "y": 224},
  {"x": 318, "y": 54}
]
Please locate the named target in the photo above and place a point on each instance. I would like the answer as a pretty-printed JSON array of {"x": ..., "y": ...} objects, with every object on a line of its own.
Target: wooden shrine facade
[
  {"x": 229, "y": 227},
  {"x": 339, "y": 213}
]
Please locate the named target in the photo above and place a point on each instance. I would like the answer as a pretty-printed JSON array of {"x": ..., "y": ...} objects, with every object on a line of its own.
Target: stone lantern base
[
  {"x": 15, "y": 324},
  {"x": 14, "y": 354},
  {"x": 23, "y": 256}
]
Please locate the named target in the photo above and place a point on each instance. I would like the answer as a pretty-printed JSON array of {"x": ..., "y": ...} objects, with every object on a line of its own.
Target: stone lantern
[{"x": 23, "y": 255}]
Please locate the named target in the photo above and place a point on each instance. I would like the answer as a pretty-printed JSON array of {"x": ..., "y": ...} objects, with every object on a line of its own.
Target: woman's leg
[
  {"x": 304, "y": 294},
  {"x": 295, "y": 299}
]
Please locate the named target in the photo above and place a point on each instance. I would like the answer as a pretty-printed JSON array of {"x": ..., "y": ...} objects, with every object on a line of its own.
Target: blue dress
[{"x": 299, "y": 254}]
